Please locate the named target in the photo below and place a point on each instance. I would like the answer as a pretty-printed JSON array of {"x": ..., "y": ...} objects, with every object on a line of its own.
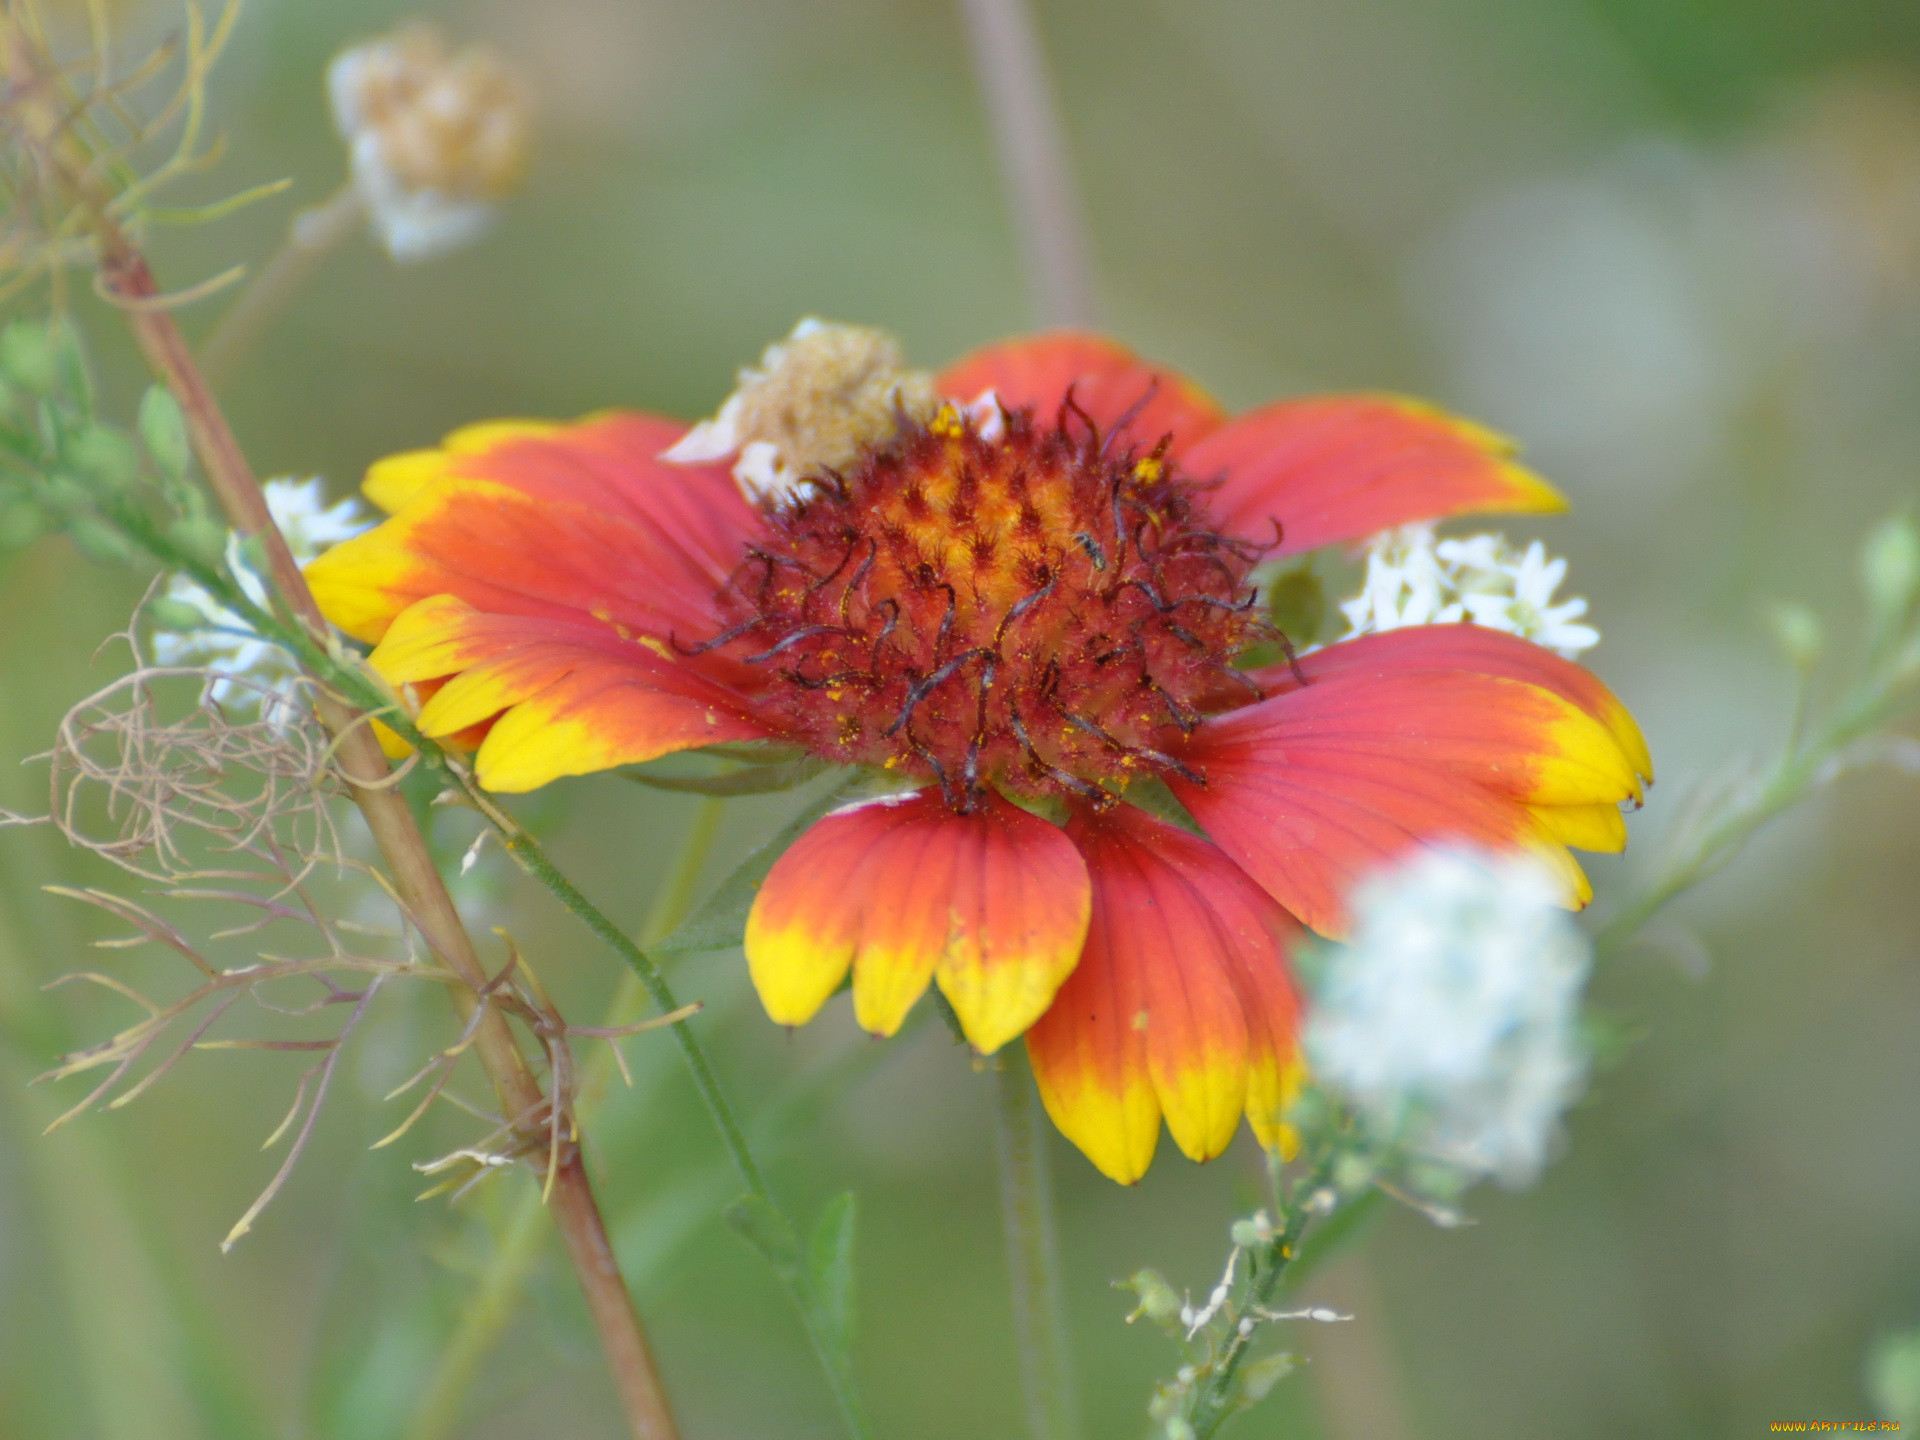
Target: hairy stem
[
  {"x": 1215, "y": 1402},
  {"x": 490, "y": 1309},
  {"x": 1032, "y": 151},
  {"x": 314, "y": 234},
  {"x": 125, "y": 279},
  {"x": 1033, "y": 1259}
]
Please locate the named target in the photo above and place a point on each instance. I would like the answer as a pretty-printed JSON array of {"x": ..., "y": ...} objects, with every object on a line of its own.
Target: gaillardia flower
[{"x": 1020, "y": 588}]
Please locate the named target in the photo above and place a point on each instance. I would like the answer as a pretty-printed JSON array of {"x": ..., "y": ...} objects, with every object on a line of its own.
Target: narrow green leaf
[
  {"x": 767, "y": 1230},
  {"x": 753, "y": 780},
  {"x": 830, "y": 1274},
  {"x": 721, "y": 923}
]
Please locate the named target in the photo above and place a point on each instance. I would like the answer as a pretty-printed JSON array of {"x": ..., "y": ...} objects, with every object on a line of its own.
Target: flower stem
[
  {"x": 314, "y": 234},
  {"x": 490, "y": 1309},
  {"x": 524, "y": 848},
  {"x": 125, "y": 279},
  {"x": 1033, "y": 1258},
  {"x": 1032, "y": 151},
  {"x": 1800, "y": 768},
  {"x": 1215, "y": 1402}
]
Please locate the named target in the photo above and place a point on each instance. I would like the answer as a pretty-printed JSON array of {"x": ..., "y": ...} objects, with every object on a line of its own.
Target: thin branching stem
[{"x": 124, "y": 277}]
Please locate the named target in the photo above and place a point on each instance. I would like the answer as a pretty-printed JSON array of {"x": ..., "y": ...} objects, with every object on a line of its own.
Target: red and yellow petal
[
  {"x": 1515, "y": 738},
  {"x": 1482, "y": 651},
  {"x": 1341, "y": 467},
  {"x": 555, "y": 698},
  {"x": 1107, "y": 380},
  {"x": 1309, "y": 819},
  {"x": 577, "y": 521},
  {"x": 993, "y": 905},
  {"x": 1182, "y": 1006}
]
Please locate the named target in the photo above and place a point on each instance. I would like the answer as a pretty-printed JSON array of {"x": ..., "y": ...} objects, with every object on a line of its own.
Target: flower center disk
[{"x": 998, "y": 602}]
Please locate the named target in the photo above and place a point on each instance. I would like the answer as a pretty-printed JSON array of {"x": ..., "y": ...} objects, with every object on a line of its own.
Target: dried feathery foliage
[
  {"x": 78, "y": 137},
  {"x": 154, "y": 776}
]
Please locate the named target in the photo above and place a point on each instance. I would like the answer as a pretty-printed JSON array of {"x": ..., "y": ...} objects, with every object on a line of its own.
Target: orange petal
[
  {"x": 566, "y": 522},
  {"x": 1209, "y": 950},
  {"x": 993, "y": 904},
  {"x": 1107, "y": 381},
  {"x": 1309, "y": 818},
  {"x": 1342, "y": 467},
  {"x": 569, "y": 698},
  {"x": 1485, "y": 652},
  {"x": 1516, "y": 738}
]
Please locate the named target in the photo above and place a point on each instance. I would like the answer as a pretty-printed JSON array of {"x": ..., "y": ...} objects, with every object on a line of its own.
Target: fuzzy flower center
[{"x": 994, "y": 600}]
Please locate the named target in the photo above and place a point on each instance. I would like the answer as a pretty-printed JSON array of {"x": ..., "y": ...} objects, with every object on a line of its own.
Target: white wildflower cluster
[
  {"x": 815, "y": 401},
  {"x": 1414, "y": 579},
  {"x": 436, "y": 138},
  {"x": 222, "y": 640},
  {"x": 1450, "y": 1021}
]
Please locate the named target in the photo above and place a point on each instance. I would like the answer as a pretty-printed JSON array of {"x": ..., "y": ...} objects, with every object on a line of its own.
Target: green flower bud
[
  {"x": 21, "y": 522},
  {"x": 1159, "y": 1302},
  {"x": 99, "y": 541},
  {"x": 1796, "y": 630},
  {"x": 27, "y": 357},
  {"x": 1352, "y": 1173},
  {"x": 163, "y": 431},
  {"x": 104, "y": 456},
  {"x": 1890, "y": 567},
  {"x": 1258, "y": 1377},
  {"x": 199, "y": 537}
]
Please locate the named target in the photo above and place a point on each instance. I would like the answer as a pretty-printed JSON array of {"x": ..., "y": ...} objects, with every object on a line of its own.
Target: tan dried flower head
[
  {"x": 455, "y": 122},
  {"x": 436, "y": 135},
  {"x": 816, "y": 401}
]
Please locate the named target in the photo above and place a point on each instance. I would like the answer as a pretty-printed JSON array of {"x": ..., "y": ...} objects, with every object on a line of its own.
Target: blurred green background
[{"x": 1673, "y": 245}]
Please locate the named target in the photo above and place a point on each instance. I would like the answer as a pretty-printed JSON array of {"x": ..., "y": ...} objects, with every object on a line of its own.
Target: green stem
[
  {"x": 1033, "y": 1256},
  {"x": 314, "y": 234},
  {"x": 1215, "y": 1402},
  {"x": 495, "y": 1300},
  {"x": 1797, "y": 771},
  {"x": 534, "y": 860}
]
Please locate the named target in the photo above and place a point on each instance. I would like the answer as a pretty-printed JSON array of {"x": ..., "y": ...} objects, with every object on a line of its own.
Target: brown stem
[
  {"x": 126, "y": 280},
  {"x": 1033, "y": 160}
]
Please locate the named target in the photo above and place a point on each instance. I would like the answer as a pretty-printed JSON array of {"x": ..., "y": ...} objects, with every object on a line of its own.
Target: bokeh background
[{"x": 1673, "y": 245}]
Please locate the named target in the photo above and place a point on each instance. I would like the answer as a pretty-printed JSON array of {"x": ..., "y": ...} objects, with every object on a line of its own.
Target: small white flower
[
  {"x": 1414, "y": 579},
  {"x": 816, "y": 400},
  {"x": 1450, "y": 1020},
  {"x": 435, "y": 138},
  {"x": 224, "y": 642}
]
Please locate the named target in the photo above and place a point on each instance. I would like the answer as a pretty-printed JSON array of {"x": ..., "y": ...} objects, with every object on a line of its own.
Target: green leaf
[
  {"x": 830, "y": 1274},
  {"x": 767, "y": 1230},
  {"x": 721, "y": 923},
  {"x": 753, "y": 780}
]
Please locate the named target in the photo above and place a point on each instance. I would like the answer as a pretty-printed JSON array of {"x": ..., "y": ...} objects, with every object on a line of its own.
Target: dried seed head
[
  {"x": 816, "y": 402},
  {"x": 436, "y": 136}
]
